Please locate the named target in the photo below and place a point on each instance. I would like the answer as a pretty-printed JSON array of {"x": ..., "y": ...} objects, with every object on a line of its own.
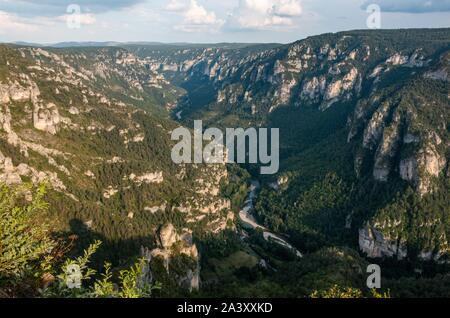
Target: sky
[{"x": 208, "y": 21}]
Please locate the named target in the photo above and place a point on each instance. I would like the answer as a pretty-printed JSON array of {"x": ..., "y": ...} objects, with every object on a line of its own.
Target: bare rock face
[
  {"x": 341, "y": 87},
  {"x": 74, "y": 111},
  {"x": 46, "y": 118},
  {"x": 11, "y": 174},
  {"x": 426, "y": 164},
  {"x": 374, "y": 129},
  {"x": 443, "y": 72},
  {"x": 231, "y": 94},
  {"x": 285, "y": 91},
  {"x": 172, "y": 245},
  {"x": 168, "y": 236},
  {"x": 18, "y": 93},
  {"x": 418, "y": 169},
  {"x": 374, "y": 243},
  {"x": 281, "y": 183},
  {"x": 4, "y": 94},
  {"x": 334, "y": 90},
  {"x": 147, "y": 178},
  {"x": 409, "y": 170},
  {"x": 110, "y": 192},
  {"x": 313, "y": 89},
  {"x": 398, "y": 146},
  {"x": 430, "y": 165},
  {"x": 390, "y": 131},
  {"x": 386, "y": 152},
  {"x": 155, "y": 209},
  {"x": 397, "y": 59}
]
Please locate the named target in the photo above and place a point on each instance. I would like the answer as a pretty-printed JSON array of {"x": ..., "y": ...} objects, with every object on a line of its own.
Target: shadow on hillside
[{"x": 117, "y": 251}]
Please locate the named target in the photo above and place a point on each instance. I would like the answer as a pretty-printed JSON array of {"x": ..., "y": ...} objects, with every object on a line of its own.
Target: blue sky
[{"x": 46, "y": 21}]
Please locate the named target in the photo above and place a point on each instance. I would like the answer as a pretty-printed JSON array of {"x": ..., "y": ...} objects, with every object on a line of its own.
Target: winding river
[{"x": 246, "y": 216}]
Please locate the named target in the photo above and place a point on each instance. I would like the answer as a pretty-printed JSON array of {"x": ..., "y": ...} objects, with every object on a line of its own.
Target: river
[{"x": 246, "y": 216}]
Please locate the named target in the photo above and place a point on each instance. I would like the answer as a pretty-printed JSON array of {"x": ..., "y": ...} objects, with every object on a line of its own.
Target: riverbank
[{"x": 247, "y": 217}]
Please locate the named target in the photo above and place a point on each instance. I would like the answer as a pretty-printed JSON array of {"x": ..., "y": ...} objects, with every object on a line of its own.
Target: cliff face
[
  {"x": 375, "y": 245},
  {"x": 398, "y": 132},
  {"x": 88, "y": 122},
  {"x": 173, "y": 245},
  {"x": 382, "y": 241}
]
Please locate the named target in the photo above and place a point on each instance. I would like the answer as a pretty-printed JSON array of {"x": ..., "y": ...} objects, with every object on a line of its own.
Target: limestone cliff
[{"x": 173, "y": 245}]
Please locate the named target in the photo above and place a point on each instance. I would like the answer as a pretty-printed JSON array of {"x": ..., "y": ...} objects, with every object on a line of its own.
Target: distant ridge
[{"x": 125, "y": 44}]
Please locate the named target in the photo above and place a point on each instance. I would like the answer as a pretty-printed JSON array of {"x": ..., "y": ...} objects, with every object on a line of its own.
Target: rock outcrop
[
  {"x": 46, "y": 118},
  {"x": 422, "y": 168},
  {"x": 376, "y": 245},
  {"x": 171, "y": 245},
  {"x": 148, "y": 178}
]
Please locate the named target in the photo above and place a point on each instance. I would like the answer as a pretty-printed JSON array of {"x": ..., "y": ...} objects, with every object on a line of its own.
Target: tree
[
  {"x": 27, "y": 256},
  {"x": 76, "y": 280},
  {"x": 25, "y": 244}
]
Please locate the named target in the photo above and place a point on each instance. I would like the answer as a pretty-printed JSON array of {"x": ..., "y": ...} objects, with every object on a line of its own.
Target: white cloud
[
  {"x": 176, "y": 6},
  {"x": 83, "y": 19},
  {"x": 12, "y": 23},
  {"x": 287, "y": 8},
  {"x": 411, "y": 6},
  {"x": 54, "y": 8},
  {"x": 196, "y": 18},
  {"x": 196, "y": 14},
  {"x": 264, "y": 14},
  {"x": 259, "y": 6}
]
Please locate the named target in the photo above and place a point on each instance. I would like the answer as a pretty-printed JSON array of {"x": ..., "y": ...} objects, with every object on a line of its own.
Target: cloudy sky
[{"x": 50, "y": 21}]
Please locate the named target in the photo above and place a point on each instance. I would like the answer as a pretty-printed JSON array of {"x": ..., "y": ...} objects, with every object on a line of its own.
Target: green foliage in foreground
[
  {"x": 339, "y": 292},
  {"x": 25, "y": 245},
  {"x": 132, "y": 283},
  {"x": 30, "y": 264}
]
